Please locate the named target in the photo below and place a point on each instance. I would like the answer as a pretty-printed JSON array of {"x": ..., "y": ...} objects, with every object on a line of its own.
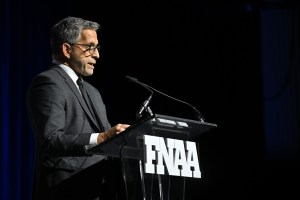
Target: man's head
[{"x": 74, "y": 43}]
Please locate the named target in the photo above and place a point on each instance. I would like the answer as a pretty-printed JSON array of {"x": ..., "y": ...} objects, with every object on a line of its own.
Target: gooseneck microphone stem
[
  {"x": 197, "y": 112},
  {"x": 145, "y": 106}
]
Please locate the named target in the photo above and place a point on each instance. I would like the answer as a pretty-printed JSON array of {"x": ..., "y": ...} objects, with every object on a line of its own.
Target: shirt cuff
[{"x": 93, "y": 138}]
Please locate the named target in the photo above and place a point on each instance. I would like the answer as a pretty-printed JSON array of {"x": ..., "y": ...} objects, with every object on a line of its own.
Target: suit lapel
[
  {"x": 75, "y": 90},
  {"x": 94, "y": 107}
]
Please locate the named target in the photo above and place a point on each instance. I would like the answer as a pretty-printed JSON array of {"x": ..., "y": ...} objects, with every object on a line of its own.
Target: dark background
[{"x": 237, "y": 62}]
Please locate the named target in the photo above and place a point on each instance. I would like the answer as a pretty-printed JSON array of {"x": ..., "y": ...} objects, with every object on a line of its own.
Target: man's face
[{"x": 84, "y": 53}]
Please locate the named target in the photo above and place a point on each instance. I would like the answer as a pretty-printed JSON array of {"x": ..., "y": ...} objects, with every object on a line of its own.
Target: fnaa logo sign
[{"x": 178, "y": 157}]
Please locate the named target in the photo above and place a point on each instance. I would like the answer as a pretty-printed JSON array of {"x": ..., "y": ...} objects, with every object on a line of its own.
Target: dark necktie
[
  {"x": 89, "y": 103},
  {"x": 85, "y": 96}
]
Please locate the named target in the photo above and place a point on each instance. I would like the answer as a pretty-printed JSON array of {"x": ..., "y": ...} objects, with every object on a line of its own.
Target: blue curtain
[
  {"x": 280, "y": 65},
  {"x": 24, "y": 51}
]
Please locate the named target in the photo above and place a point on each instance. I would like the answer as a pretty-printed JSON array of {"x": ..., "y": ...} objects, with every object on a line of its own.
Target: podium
[{"x": 129, "y": 147}]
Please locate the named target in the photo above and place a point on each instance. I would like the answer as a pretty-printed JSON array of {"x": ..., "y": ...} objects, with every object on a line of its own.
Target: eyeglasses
[{"x": 89, "y": 47}]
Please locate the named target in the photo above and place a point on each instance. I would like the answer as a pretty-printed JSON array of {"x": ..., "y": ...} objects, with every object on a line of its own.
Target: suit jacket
[{"x": 62, "y": 125}]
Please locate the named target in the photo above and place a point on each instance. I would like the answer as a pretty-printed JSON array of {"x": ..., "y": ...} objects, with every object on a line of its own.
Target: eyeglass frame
[{"x": 90, "y": 48}]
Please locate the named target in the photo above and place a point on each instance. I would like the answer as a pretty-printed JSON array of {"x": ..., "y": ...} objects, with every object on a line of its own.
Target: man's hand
[{"x": 111, "y": 132}]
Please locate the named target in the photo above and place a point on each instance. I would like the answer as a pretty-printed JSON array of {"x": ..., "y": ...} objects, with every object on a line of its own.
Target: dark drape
[
  {"x": 280, "y": 65},
  {"x": 25, "y": 51},
  {"x": 237, "y": 62}
]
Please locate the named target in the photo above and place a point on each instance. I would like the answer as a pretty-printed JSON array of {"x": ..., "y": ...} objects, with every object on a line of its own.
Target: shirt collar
[{"x": 68, "y": 70}]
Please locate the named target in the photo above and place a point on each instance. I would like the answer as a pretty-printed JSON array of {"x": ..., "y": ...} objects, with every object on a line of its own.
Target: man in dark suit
[{"x": 67, "y": 114}]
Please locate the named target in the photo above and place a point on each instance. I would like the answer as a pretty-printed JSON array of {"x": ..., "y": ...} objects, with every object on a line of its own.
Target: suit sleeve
[{"x": 47, "y": 103}]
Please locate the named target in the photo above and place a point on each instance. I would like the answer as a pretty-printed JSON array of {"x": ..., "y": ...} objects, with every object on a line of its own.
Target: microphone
[
  {"x": 145, "y": 105},
  {"x": 151, "y": 89}
]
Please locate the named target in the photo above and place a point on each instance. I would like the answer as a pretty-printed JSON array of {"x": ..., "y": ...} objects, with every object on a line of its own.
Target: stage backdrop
[{"x": 237, "y": 62}]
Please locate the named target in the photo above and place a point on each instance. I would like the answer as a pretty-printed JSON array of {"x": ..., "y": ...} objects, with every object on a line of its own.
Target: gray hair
[{"x": 68, "y": 31}]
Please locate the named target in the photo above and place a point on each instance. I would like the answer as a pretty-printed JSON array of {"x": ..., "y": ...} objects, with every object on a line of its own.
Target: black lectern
[{"x": 129, "y": 147}]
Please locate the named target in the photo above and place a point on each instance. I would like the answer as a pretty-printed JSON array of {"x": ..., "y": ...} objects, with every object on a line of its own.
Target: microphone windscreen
[{"x": 131, "y": 78}]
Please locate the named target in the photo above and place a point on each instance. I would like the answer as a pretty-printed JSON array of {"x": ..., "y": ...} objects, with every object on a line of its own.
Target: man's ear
[{"x": 66, "y": 49}]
